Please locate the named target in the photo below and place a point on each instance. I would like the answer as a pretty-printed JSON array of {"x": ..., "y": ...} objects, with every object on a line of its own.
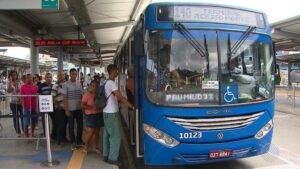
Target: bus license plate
[{"x": 220, "y": 154}]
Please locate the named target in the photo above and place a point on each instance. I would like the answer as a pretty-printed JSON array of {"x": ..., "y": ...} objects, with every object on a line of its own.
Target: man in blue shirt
[{"x": 45, "y": 89}]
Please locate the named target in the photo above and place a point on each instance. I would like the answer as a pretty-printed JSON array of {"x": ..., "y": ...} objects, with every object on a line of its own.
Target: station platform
[{"x": 22, "y": 154}]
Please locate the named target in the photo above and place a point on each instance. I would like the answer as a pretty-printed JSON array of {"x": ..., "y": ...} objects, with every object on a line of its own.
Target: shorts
[
  {"x": 94, "y": 120},
  {"x": 30, "y": 117}
]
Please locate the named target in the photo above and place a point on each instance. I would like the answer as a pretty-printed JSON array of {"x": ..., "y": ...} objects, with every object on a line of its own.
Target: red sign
[
  {"x": 79, "y": 42},
  {"x": 220, "y": 154}
]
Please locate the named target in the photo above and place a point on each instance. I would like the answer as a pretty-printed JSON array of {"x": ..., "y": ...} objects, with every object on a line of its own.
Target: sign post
[{"x": 46, "y": 106}]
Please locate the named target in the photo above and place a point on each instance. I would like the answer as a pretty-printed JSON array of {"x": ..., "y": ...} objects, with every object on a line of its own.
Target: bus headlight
[
  {"x": 160, "y": 136},
  {"x": 265, "y": 130}
]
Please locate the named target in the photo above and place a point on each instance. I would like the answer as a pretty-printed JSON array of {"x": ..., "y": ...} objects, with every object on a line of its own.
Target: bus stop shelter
[
  {"x": 286, "y": 35},
  {"x": 105, "y": 25}
]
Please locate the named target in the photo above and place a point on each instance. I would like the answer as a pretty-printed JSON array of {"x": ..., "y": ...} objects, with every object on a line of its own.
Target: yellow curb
[{"x": 76, "y": 159}]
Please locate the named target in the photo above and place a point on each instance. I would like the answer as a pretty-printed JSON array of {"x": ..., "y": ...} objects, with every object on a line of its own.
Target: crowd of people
[{"x": 72, "y": 104}]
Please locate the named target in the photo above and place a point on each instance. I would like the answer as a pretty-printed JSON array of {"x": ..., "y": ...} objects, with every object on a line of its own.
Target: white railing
[{"x": 7, "y": 105}]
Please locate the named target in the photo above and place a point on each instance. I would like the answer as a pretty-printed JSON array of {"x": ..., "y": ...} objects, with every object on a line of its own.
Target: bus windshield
[{"x": 177, "y": 74}]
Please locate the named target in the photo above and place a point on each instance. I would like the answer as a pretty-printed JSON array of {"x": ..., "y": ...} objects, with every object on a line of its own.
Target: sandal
[
  {"x": 97, "y": 151},
  {"x": 85, "y": 151}
]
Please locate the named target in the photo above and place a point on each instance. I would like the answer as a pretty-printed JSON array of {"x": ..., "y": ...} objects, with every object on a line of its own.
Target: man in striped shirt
[
  {"x": 73, "y": 92},
  {"x": 45, "y": 89},
  {"x": 59, "y": 111}
]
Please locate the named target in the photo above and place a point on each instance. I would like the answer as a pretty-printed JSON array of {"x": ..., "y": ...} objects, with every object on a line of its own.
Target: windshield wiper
[
  {"x": 241, "y": 40},
  {"x": 232, "y": 50},
  {"x": 207, "y": 54},
  {"x": 203, "y": 51}
]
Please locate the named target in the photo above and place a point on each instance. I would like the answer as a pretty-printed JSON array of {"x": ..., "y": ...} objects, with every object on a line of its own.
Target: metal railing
[
  {"x": 12, "y": 106},
  {"x": 287, "y": 99}
]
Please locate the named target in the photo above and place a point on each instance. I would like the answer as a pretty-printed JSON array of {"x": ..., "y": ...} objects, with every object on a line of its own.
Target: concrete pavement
[{"x": 18, "y": 154}]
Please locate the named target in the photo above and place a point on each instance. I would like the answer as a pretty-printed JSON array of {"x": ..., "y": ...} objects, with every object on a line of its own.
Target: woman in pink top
[
  {"x": 29, "y": 105},
  {"x": 93, "y": 118}
]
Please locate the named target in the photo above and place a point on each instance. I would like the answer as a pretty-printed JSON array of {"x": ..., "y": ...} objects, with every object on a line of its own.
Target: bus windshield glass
[{"x": 184, "y": 70}]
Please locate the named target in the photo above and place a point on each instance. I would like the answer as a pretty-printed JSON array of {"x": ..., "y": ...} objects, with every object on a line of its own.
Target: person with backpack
[
  {"x": 93, "y": 118},
  {"x": 111, "y": 117}
]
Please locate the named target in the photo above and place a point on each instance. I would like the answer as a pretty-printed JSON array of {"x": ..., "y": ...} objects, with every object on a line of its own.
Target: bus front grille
[{"x": 216, "y": 123}]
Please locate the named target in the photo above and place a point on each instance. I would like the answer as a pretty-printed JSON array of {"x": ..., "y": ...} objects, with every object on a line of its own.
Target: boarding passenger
[
  {"x": 93, "y": 118},
  {"x": 14, "y": 86},
  {"x": 112, "y": 135},
  {"x": 130, "y": 96},
  {"x": 73, "y": 91},
  {"x": 45, "y": 89},
  {"x": 29, "y": 104},
  {"x": 59, "y": 111}
]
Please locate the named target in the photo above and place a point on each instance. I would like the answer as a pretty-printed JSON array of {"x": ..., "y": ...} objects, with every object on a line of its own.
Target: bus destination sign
[
  {"x": 209, "y": 14},
  {"x": 79, "y": 42}
]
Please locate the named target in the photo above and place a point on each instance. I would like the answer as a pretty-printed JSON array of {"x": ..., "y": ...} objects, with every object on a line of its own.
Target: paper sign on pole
[{"x": 46, "y": 103}]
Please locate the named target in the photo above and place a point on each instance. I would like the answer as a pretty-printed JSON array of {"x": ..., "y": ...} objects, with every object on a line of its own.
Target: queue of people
[{"x": 72, "y": 104}]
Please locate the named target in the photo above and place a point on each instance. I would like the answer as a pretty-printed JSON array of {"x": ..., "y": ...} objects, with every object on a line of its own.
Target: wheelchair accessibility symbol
[{"x": 230, "y": 94}]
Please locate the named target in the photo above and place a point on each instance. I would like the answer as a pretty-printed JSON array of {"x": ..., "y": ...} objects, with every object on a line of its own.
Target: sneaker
[
  {"x": 73, "y": 146},
  {"x": 105, "y": 158},
  {"x": 112, "y": 162},
  {"x": 80, "y": 143},
  {"x": 65, "y": 140}
]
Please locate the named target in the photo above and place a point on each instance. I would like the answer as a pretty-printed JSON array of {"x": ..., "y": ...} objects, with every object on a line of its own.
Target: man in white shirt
[{"x": 111, "y": 134}]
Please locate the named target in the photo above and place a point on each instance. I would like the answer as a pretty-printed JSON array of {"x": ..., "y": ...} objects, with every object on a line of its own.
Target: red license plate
[{"x": 220, "y": 154}]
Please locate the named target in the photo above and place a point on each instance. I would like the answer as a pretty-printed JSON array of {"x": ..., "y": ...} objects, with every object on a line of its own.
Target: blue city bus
[{"x": 204, "y": 83}]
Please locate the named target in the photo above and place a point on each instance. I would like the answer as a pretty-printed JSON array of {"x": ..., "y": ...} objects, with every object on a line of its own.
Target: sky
[{"x": 276, "y": 10}]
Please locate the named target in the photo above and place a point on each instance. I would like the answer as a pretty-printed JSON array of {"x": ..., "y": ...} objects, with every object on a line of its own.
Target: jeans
[
  {"x": 30, "y": 117},
  {"x": 61, "y": 124},
  {"x": 111, "y": 136},
  {"x": 76, "y": 115},
  {"x": 17, "y": 110}
]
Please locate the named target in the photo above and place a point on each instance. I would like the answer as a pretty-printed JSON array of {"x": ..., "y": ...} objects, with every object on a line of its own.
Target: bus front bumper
[{"x": 191, "y": 153}]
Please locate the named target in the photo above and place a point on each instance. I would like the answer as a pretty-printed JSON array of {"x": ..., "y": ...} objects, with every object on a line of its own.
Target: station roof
[
  {"x": 286, "y": 35},
  {"x": 106, "y": 25},
  {"x": 7, "y": 61}
]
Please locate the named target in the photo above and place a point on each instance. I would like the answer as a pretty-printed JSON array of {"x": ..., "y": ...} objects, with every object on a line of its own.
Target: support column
[
  {"x": 84, "y": 70},
  {"x": 34, "y": 58},
  {"x": 92, "y": 71},
  {"x": 60, "y": 60},
  {"x": 79, "y": 70},
  {"x": 289, "y": 74}
]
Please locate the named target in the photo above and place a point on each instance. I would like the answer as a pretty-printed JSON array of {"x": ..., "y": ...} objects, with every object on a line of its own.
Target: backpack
[{"x": 100, "y": 98}]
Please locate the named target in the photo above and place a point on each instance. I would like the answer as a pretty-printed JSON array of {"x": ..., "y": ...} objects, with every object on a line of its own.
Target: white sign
[
  {"x": 46, "y": 103},
  {"x": 218, "y": 15},
  {"x": 210, "y": 85},
  {"x": 190, "y": 97}
]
